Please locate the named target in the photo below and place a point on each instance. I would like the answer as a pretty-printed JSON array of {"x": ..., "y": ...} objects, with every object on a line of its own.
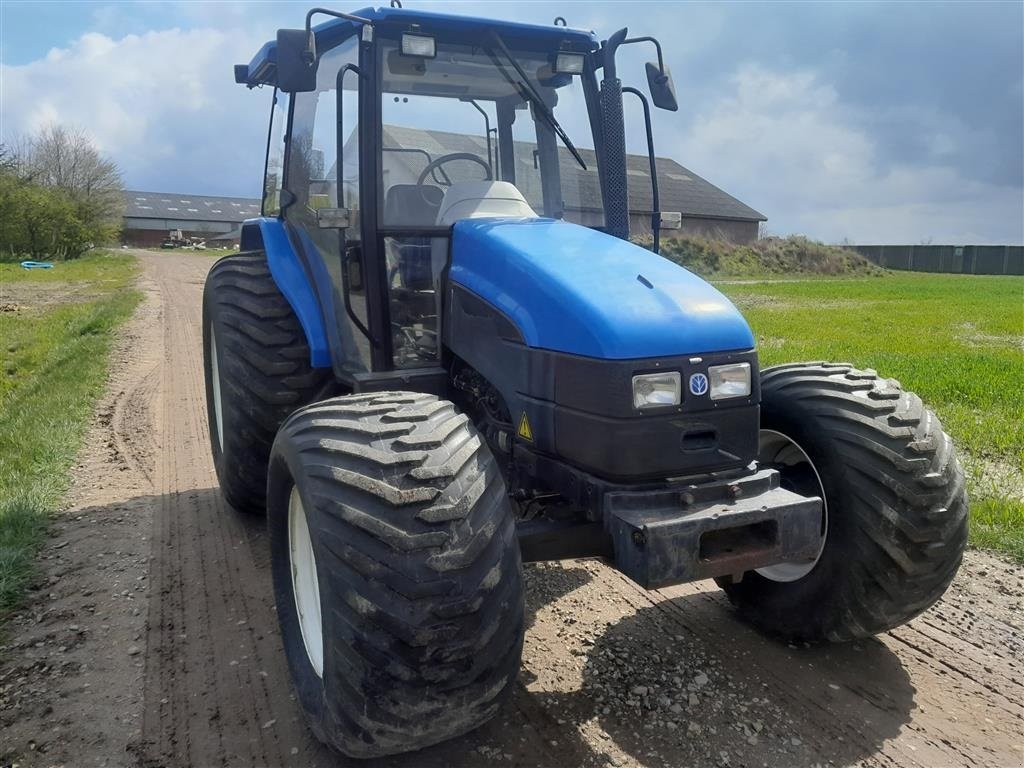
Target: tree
[
  {"x": 58, "y": 195},
  {"x": 66, "y": 159}
]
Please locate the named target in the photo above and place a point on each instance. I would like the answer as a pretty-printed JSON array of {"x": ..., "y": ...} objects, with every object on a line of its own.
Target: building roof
[
  {"x": 680, "y": 188},
  {"x": 166, "y": 205}
]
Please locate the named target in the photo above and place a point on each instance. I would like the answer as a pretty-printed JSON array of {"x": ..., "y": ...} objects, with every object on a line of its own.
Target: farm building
[{"x": 150, "y": 216}]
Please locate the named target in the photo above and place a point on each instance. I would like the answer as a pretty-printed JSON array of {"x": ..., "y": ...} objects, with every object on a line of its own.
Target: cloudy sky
[{"x": 888, "y": 122}]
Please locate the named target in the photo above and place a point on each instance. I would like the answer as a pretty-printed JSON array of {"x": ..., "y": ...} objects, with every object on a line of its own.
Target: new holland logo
[{"x": 698, "y": 384}]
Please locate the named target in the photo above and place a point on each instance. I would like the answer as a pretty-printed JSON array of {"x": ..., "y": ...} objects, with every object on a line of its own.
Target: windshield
[{"x": 469, "y": 115}]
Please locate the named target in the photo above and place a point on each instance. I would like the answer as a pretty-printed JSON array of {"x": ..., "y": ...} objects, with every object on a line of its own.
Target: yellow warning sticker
[{"x": 525, "y": 431}]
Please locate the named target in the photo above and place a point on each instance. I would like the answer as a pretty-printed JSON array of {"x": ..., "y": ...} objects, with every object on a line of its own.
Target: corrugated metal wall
[{"x": 955, "y": 259}]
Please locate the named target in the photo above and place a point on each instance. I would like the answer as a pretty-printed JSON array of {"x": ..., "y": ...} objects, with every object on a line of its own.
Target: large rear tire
[
  {"x": 896, "y": 510},
  {"x": 256, "y": 364},
  {"x": 396, "y": 571}
]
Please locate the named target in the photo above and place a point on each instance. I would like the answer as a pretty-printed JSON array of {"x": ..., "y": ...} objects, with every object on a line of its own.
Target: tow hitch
[{"x": 699, "y": 531}]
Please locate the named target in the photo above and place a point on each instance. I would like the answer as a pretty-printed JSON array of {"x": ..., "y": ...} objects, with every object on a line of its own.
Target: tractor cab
[{"x": 390, "y": 126}]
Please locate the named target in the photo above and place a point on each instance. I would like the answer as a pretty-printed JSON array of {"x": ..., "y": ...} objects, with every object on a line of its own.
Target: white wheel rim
[
  {"x": 305, "y": 586},
  {"x": 218, "y": 416},
  {"x": 776, "y": 448}
]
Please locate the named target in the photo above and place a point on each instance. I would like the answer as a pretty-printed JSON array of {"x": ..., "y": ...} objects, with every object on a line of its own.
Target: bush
[
  {"x": 769, "y": 256},
  {"x": 38, "y": 223}
]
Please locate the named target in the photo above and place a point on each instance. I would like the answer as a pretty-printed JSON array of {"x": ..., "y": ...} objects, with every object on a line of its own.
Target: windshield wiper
[{"x": 529, "y": 93}]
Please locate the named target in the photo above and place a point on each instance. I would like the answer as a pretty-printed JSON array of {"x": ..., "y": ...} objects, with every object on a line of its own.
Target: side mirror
[
  {"x": 663, "y": 92},
  {"x": 296, "y": 61}
]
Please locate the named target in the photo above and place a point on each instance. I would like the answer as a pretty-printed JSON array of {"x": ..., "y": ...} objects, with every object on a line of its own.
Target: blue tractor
[{"x": 425, "y": 375}]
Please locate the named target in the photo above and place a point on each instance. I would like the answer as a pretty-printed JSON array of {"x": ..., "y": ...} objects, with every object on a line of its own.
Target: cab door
[{"x": 323, "y": 176}]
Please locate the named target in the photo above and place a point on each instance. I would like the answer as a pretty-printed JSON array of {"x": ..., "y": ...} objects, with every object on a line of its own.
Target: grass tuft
[{"x": 22, "y": 527}]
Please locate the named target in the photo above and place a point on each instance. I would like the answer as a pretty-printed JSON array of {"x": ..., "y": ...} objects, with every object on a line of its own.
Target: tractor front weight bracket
[{"x": 717, "y": 528}]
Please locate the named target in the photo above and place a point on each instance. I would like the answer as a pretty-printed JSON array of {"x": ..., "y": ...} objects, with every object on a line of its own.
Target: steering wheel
[{"x": 454, "y": 156}]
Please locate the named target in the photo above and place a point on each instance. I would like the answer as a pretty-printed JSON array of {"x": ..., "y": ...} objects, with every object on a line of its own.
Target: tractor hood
[{"x": 572, "y": 289}]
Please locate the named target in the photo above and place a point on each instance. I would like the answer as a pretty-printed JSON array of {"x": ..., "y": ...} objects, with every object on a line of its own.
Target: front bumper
[{"x": 684, "y": 532}]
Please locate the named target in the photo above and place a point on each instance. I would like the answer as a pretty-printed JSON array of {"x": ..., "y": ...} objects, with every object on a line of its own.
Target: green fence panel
[{"x": 950, "y": 259}]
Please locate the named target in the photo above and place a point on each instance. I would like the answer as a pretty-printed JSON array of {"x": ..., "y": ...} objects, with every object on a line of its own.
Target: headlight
[
  {"x": 731, "y": 380},
  {"x": 652, "y": 390}
]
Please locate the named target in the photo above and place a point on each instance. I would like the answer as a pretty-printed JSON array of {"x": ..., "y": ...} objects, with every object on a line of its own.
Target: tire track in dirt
[
  {"x": 133, "y": 440},
  {"x": 214, "y": 658}
]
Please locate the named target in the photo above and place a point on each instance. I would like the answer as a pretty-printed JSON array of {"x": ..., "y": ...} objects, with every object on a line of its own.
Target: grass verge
[
  {"x": 955, "y": 340},
  {"x": 56, "y": 329}
]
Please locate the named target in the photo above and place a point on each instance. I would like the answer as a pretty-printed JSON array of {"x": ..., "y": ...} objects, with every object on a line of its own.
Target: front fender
[{"x": 269, "y": 235}]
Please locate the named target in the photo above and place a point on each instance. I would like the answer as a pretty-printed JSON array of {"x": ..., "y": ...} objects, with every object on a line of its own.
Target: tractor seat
[
  {"x": 412, "y": 205},
  {"x": 477, "y": 199}
]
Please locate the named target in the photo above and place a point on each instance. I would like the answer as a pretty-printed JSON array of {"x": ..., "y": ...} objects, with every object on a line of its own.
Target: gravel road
[{"x": 151, "y": 640}]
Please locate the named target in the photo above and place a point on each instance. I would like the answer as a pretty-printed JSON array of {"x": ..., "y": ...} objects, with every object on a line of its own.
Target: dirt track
[{"x": 151, "y": 639}]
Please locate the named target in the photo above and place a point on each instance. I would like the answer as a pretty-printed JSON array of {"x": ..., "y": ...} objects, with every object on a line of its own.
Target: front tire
[
  {"x": 257, "y": 370},
  {"x": 414, "y": 630},
  {"x": 895, "y": 501}
]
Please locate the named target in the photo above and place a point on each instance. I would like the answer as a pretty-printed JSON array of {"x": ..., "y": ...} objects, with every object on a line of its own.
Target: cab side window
[{"x": 273, "y": 179}]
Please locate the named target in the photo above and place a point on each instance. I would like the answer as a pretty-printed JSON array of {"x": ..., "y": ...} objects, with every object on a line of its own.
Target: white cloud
[
  {"x": 164, "y": 104},
  {"x": 785, "y": 143}
]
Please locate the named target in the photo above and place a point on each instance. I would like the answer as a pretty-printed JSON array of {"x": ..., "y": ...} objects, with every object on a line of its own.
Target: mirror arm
[
  {"x": 335, "y": 14},
  {"x": 310, "y": 54},
  {"x": 655, "y": 196},
  {"x": 657, "y": 45}
]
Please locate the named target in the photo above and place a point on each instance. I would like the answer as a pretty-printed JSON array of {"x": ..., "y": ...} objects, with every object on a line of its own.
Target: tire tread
[
  {"x": 401, "y": 484},
  {"x": 899, "y": 481}
]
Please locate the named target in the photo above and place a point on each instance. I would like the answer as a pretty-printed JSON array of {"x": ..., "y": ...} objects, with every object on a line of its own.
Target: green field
[
  {"x": 56, "y": 328},
  {"x": 957, "y": 341}
]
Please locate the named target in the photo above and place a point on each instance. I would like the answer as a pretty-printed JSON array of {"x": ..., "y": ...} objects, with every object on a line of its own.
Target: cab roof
[{"x": 262, "y": 70}]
